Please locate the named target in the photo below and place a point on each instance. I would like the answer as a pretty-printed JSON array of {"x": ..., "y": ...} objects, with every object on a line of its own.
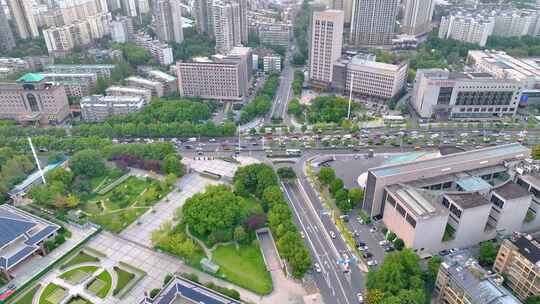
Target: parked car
[
  {"x": 317, "y": 267},
  {"x": 444, "y": 252},
  {"x": 360, "y": 297},
  {"x": 373, "y": 229},
  {"x": 363, "y": 248},
  {"x": 372, "y": 263},
  {"x": 332, "y": 234},
  {"x": 367, "y": 255}
]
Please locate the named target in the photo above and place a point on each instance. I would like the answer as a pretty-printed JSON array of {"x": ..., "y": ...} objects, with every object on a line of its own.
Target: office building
[
  {"x": 461, "y": 280},
  {"x": 168, "y": 17},
  {"x": 159, "y": 50},
  {"x": 417, "y": 16},
  {"x": 369, "y": 78},
  {"x": 220, "y": 77},
  {"x": 23, "y": 236},
  {"x": 180, "y": 290},
  {"x": 23, "y": 18},
  {"x": 143, "y": 7},
  {"x": 121, "y": 29},
  {"x": 6, "y": 35},
  {"x": 76, "y": 85},
  {"x": 227, "y": 31},
  {"x": 129, "y": 8},
  {"x": 204, "y": 16},
  {"x": 447, "y": 95},
  {"x": 97, "y": 108},
  {"x": 519, "y": 260},
  {"x": 33, "y": 100},
  {"x": 155, "y": 87},
  {"x": 373, "y": 22},
  {"x": 101, "y": 70},
  {"x": 461, "y": 199},
  {"x": 466, "y": 28},
  {"x": 274, "y": 34},
  {"x": 146, "y": 94},
  {"x": 325, "y": 48},
  {"x": 170, "y": 84}
]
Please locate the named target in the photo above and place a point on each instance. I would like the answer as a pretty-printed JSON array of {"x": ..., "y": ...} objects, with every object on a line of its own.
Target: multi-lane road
[{"x": 283, "y": 95}]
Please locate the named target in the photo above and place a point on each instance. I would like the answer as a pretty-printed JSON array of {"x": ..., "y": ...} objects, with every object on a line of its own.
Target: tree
[
  {"x": 286, "y": 173},
  {"x": 356, "y": 195},
  {"x": 374, "y": 296},
  {"x": 72, "y": 201},
  {"x": 170, "y": 179},
  {"x": 430, "y": 275},
  {"x": 336, "y": 185},
  {"x": 326, "y": 175},
  {"x": 399, "y": 244},
  {"x": 99, "y": 88},
  {"x": 536, "y": 152},
  {"x": 240, "y": 234},
  {"x": 87, "y": 163},
  {"x": 171, "y": 164},
  {"x": 532, "y": 300},
  {"x": 487, "y": 253}
]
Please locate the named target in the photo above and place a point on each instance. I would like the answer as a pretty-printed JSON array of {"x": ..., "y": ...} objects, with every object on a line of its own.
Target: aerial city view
[{"x": 269, "y": 151}]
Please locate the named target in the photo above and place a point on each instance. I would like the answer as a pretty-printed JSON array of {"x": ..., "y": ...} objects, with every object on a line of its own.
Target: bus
[{"x": 293, "y": 152}]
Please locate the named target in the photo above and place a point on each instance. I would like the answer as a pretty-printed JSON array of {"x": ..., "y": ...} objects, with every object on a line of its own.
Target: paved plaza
[{"x": 218, "y": 166}]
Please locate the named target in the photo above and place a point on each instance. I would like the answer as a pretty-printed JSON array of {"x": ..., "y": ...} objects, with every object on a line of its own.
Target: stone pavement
[
  {"x": 140, "y": 231},
  {"x": 218, "y": 166}
]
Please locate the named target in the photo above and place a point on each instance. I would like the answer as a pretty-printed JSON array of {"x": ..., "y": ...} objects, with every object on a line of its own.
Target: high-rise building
[
  {"x": 129, "y": 8},
  {"x": 326, "y": 42},
  {"x": 143, "y": 7},
  {"x": 227, "y": 26},
  {"x": 6, "y": 35},
  {"x": 373, "y": 22},
  {"x": 274, "y": 33},
  {"x": 338, "y": 4},
  {"x": 347, "y": 10},
  {"x": 204, "y": 16},
  {"x": 23, "y": 17},
  {"x": 417, "y": 16},
  {"x": 121, "y": 29},
  {"x": 519, "y": 260},
  {"x": 168, "y": 16},
  {"x": 466, "y": 28},
  {"x": 243, "y": 21}
]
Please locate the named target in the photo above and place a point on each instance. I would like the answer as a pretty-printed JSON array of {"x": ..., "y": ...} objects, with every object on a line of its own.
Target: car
[
  {"x": 355, "y": 234},
  {"x": 384, "y": 242},
  {"x": 212, "y": 140},
  {"x": 367, "y": 255},
  {"x": 388, "y": 248},
  {"x": 372, "y": 263},
  {"x": 363, "y": 248},
  {"x": 360, "y": 297},
  {"x": 302, "y": 234},
  {"x": 317, "y": 267},
  {"x": 360, "y": 244},
  {"x": 332, "y": 234},
  {"x": 373, "y": 229},
  {"x": 444, "y": 252},
  {"x": 454, "y": 250}
]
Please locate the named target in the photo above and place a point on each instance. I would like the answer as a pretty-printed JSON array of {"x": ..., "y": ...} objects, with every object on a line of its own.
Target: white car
[
  {"x": 360, "y": 297},
  {"x": 372, "y": 263},
  {"x": 317, "y": 267},
  {"x": 363, "y": 248},
  {"x": 302, "y": 234},
  {"x": 332, "y": 234},
  {"x": 373, "y": 229},
  {"x": 383, "y": 242}
]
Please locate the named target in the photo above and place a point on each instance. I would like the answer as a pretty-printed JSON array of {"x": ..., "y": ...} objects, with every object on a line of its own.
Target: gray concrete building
[
  {"x": 274, "y": 33},
  {"x": 168, "y": 17},
  {"x": 98, "y": 108},
  {"x": 129, "y": 91},
  {"x": 417, "y": 16},
  {"x": 6, "y": 35},
  {"x": 373, "y": 22}
]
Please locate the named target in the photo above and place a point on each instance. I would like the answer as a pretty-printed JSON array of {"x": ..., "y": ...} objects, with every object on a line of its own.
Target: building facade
[
  {"x": 23, "y": 17},
  {"x": 6, "y": 35},
  {"x": 155, "y": 87},
  {"x": 98, "y": 108},
  {"x": 417, "y": 16},
  {"x": 101, "y": 70},
  {"x": 326, "y": 43},
  {"x": 466, "y": 28},
  {"x": 447, "y": 95},
  {"x": 159, "y": 50},
  {"x": 227, "y": 30},
  {"x": 271, "y": 64},
  {"x": 373, "y": 22},
  {"x": 76, "y": 85},
  {"x": 33, "y": 100},
  {"x": 168, "y": 17},
  {"x": 121, "y": 29},
  {"x": 274, "y": 34},
  {"x": 146, "y": 94}
]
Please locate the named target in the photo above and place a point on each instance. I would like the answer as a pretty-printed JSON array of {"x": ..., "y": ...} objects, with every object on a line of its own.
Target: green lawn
[
  {"x": 79, "y": 300},
  {"x": 124, "y": 277},
  {"x": 28, "y": 296},
  {"x": 112, "y": 210},
  {"x": 51, "y": 294},
  {"x": 244, "y": 267},
  {"x": 76, "y": 275},
  {"x": 101, "y": 285},
  {"x": 80, "y": 258}
]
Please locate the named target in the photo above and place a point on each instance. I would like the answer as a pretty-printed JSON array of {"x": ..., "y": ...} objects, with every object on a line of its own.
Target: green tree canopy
[{"x": 87, "y": 163}]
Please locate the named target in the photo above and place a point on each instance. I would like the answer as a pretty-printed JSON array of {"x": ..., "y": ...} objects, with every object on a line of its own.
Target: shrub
[{"x": 154, "y": 292}]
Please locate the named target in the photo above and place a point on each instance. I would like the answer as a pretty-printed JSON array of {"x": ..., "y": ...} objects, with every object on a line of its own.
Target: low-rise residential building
[
  {"x": 461, "y": 280},
  {"x": 33, "y": 100},
  {"x": 76, "y": 85},
  {"x": 369, "y": 78},
  {"x": 170, "y": 84},
  {"x": 519, "y": 260},
  {"x": 274, "y": 34},
  {"x": 101, "y": 70},
  {"x": 23, "y": 235},
  {"x": 155, "y": 87},
  {"x": 159, "y": 50},
  {"x": 129, "y": 91},
  {"x": 443, "y": 94},
  {"x": 10, "y": 66},
  {"x": 272, "y": 63},
  {"x": 462, "y": 198},
  {"x": 98, "y": 108}
]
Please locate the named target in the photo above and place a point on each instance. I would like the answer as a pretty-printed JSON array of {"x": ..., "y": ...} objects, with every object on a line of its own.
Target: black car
[
  {"x": 360, "y": 244},
  {"x": 444, "y": 252},
  {"x": 367, "y": 255}
]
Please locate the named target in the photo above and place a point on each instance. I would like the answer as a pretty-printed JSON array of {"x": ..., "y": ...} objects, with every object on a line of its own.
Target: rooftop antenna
[{"x": 37, "y": 160}]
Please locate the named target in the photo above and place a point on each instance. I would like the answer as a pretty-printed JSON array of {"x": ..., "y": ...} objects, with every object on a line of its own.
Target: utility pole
[
  {"x": 350, "y": 97},
  {"x": 37, "y": 160}
]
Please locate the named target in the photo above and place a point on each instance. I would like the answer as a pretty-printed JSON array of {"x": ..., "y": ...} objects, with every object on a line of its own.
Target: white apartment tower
[
  {"x": 204, "y": 16},
  {"x": 226, "y": 26},
  {"x": 417, "y": 16},
  {"x": 326, "y": 42},
  {"x": 471, "y": 29},
  {"x": 373, "y": 22},
  {"x": 168, "y": 16},
  {"x": 23, "y": 17}
]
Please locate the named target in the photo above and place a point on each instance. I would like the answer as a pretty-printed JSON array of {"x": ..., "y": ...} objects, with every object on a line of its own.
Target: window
[
  {"x": 411, "y": 221},
  {"x": 497, "y": 201},
  {"x": 455, "y": 210},
  {"x": 32, "y": 102},
  {"x": 445, "y": 203},
  {"x": 401, "y": 210},
  {"x": 391, "y": 200}
]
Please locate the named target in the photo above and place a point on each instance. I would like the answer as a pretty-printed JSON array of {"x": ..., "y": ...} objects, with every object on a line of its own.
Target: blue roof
[
  {"x": 189, "y": 290},
  {"x": 405, "y": 157},
  {"x": 474, "y": 183},
  {"x": 14, "y": 224}
]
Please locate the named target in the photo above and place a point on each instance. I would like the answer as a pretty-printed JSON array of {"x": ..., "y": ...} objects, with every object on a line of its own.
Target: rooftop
[
  {"x": 445, "y": 163},
  {"x": 162, "y": 75},
  {"x": 31, "y": 77},
  {"x": 528, "y": 247},
  {"x": 80, "y": 66},
  {"x": 142, "y": 80},
  {"x": 128, "y": 89},
  {"x": 510, "y": 190},
  {"x": 416, "y": 200},
  {"x": 532, "y": 180},
  {"x": 473, "y": 183},
  {"x": 467, "y": 200}
]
